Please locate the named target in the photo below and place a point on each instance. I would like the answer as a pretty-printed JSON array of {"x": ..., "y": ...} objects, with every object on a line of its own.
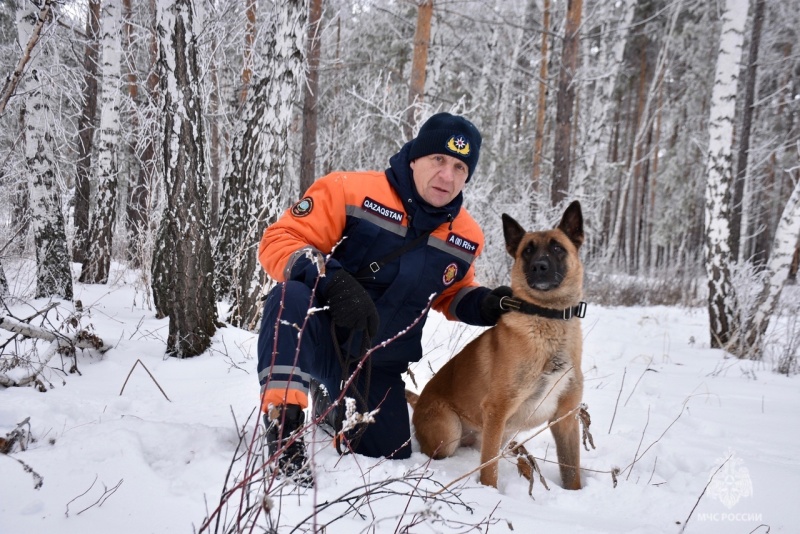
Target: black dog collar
[{"x": 512, "y": 304}]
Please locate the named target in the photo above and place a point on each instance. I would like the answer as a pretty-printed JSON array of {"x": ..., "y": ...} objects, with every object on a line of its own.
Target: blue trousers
[{"x": 295, "y": 346}]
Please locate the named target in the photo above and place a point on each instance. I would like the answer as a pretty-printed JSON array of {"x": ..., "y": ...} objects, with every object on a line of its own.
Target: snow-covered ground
[{"x": 116, "y": 455}]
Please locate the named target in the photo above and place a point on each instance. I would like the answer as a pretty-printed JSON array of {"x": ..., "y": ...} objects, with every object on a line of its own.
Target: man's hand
[
  {"x": 490, "y": 305},
  {"x": 350, "y": 304}
]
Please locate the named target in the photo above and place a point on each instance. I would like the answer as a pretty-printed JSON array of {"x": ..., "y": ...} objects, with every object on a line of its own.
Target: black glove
[
  {"x": 350, "y": 304},
  {"x": 490, "y": 305}
]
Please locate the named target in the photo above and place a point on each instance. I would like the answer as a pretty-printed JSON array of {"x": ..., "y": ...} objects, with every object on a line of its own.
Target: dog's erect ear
[
  {"x": 513, "y": 233},
  {"x": 572, "y": 223}
]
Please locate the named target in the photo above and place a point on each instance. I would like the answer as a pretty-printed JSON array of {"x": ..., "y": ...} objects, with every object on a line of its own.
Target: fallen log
[{"x": 59, "y": 344}]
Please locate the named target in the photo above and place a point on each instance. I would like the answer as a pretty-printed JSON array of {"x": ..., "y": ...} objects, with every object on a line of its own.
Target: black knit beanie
[{"x": 448, "y": 134}]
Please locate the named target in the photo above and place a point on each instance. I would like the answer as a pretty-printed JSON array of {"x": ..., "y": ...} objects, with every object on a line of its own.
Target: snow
[{"x": 116, "y": 455}]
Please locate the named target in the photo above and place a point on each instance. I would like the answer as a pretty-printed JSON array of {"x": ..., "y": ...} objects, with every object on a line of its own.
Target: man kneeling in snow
[{"x": 367, "y": 252}]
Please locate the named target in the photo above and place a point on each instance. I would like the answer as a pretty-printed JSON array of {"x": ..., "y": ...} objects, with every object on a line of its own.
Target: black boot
[
  {"x": 283, "y": 422},
  {"x": 320, "y": 401}
]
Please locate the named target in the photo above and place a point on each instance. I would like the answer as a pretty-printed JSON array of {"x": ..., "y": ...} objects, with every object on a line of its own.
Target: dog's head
[{"x": 547, "y": 267}]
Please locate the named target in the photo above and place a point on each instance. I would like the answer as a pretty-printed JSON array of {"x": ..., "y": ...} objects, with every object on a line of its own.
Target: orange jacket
[{"x": 349, "y": 220}]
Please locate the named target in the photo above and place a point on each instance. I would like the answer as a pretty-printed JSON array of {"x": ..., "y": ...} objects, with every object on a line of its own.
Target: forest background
[{"x": 167, "y": 135}]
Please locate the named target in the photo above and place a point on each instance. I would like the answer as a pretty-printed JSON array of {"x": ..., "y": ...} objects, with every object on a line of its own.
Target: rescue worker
[{"x": 368, "y": 252}]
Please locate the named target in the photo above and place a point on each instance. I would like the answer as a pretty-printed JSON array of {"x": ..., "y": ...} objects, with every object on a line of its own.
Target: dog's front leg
[
  {"x": 495, "y": 415},
  {"x": 568, "y": 449}
]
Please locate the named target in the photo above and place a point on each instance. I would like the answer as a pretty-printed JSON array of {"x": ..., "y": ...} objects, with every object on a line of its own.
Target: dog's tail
[{"x": 412, "y": 398}]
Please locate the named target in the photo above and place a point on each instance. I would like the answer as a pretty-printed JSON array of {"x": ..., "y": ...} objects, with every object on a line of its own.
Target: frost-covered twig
[
  {"x": 683, "y": 528},
  {"x": 139, "y": 362},
  {"x": 616, "y": 404},
  {"x": 646, "y": 368},
  {"x": 407, "y": 484},
  {"x": 641, "y": 439},
  {"x": 100, "y": 500},
  {"x": 37, "y": 478},
  {"x": 638, "y": 456}
]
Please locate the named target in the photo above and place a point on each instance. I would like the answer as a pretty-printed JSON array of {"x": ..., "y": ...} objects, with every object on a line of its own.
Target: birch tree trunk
[
  {"x": 86, "y": 127},
  {"x": 719, "y": 172},
  {"x": 53, "y": 276},
  {"x": 778, "y": 268},
  {"x": 98, "y": 258},
  {"x": 252, "y": 189},
  {"x": 565, "y": 103},
  {"x": 182, "y": 264}
]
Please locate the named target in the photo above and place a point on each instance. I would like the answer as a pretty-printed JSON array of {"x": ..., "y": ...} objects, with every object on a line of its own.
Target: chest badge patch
[
  {"x": 450, "y": 273},
  {"x": 303, "y": 208}
]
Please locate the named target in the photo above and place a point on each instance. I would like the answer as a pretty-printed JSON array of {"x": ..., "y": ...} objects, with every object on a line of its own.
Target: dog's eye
[
  {"x": 528, "y": 251},
  {"x": 557, "y": 248}
]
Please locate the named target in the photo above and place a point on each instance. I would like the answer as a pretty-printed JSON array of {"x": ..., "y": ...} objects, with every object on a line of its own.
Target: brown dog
[{"x": 526, "y": 370}]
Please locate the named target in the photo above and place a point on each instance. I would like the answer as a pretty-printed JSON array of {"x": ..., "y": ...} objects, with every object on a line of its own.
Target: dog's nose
[{"x": 541, "y": 266}]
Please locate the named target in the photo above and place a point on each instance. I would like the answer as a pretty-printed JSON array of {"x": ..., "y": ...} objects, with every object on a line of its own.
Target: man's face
[{"x": 439, "y": 178}]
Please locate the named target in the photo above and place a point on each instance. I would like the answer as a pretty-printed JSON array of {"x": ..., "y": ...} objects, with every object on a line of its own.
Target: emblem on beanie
[
  {"x": 450, "y": 273},
  {"x": 303, "y": 208},
  {"x": 458, "y": 144}
]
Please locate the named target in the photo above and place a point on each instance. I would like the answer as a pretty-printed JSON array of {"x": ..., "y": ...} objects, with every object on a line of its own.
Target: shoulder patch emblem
[
  {"x": 459, "y": 144},
  {"x": 450, "y": 273},
  {"x": 303, "y": 208}
]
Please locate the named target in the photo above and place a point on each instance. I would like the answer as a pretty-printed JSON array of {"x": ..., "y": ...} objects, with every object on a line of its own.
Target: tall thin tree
[
  {"x": 253, "y": 187},
  {"x": 600, "y": 106},
  {"x": 641, "y": 128},
  {"x": 719, "y": 172},
  {"x": 541, "y": 107},
  {"x": 419, "y": 64},
  {"x": 86, "y": 127},
  {"x": 308, "y": 149},
  {"x": 250, "y": 31},
  {"x": 778, "y": 268},
  {"x": 214, "y": 142},
  {"x": 53, "y": 276},
  {"x": 738, "y": 217},
  {"x": 140, "y": 194},
  {"x": 101, "y": 228},
  {"x": 565, "y": 102},
  {"x": 183, "y": 267}
]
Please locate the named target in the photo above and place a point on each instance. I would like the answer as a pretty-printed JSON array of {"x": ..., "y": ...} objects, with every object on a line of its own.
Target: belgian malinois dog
[{"x": 526, "y": 370}]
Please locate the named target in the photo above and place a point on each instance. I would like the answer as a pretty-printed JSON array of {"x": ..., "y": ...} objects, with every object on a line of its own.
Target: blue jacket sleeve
[{"x": 468, "y": 309}]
